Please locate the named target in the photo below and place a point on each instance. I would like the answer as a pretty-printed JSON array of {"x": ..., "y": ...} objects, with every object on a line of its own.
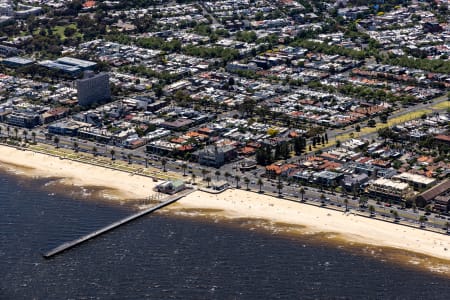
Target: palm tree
[
  {"x": 129, "y": 156},
  {"x": 279, "y": 187},
  {"x": 217, "y": 174},
  {"x": 395, "y": 215},
  {"x": 302, "y": 193},
  {"x": 25, "y": 134},
  {"x": 260, "y": 183},
  {"x": 163, "y": 163},
  {"x": 428, "y": 208},
  {"x": 422, "y": 220},
  {"x": 204, "y": 172},
  {"x": 94, "y": 151},
  {"x": 247, "y": 181},
  {"x": 112, "y": 152},
  {"x": 184, "y": 167},
  {"x": 372, "y": 210},
  {"x": 208, "y": 180},
  {"x": 322, "y": 199},
  {"x": 75, "y": 146},
  {"x": 227, "y": 175},
  {"x": 354, "y": 191},
  {"x": 56, "y": 140},
  {"x": 33, "y": 134},
  {"x": 362, "y": 201},
  {"x": 237, "y": 178},
  {"x": 414, "y": 206}
]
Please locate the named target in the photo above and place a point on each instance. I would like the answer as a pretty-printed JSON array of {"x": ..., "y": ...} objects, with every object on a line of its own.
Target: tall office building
[{"x": 93, "y": 88}]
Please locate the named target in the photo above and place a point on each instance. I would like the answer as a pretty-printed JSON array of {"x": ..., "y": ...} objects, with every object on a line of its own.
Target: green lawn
[
  {"x": 397, "y": 120},
  {"x": 59, "y": 31},
  {"x": 442, "y": 105},
  {"x": 106, "y": 162},
  {"x": 367, "y": 130}
]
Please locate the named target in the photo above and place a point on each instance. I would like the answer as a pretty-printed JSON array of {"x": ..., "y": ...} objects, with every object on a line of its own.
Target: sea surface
[{"x": 164, "y": 256}]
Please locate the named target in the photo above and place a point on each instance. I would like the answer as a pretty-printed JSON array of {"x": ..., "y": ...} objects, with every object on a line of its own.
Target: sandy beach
[
  {"x": 234, "y": 204},
  {"x": 242, "y": 204},
  {"x": 122, "y": 185}
]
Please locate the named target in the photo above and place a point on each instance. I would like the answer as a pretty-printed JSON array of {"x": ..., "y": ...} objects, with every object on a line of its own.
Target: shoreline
[
  {"x": 124, "y": 186},
  {"x": 234, "y": 204},
  {"x": 302, "y": 236}
]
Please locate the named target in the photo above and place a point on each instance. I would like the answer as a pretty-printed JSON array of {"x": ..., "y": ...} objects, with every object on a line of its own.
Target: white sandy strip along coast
[
  {"x": 237, "y": 204},
  {"x": 122, "y": 184},
  {"x": 242, "y": 204}
]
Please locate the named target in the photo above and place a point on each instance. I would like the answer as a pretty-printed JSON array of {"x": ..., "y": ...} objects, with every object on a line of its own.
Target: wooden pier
[{"x": 110, "y": 227}]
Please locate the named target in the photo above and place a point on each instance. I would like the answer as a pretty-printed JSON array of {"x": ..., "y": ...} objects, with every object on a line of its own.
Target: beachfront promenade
[{"x": 104, "y": 162}]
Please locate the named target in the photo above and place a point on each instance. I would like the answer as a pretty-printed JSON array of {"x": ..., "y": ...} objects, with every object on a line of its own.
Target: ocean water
[{"x": 164, "y": 256}]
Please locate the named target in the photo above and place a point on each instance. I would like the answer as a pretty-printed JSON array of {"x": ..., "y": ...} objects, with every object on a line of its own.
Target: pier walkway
[{"x": 112, "y": 226}]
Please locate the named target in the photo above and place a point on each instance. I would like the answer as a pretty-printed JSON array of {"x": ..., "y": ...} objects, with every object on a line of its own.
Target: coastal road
[
  {"x": 337, "y": 201},
  {"x": 312, "y": 195}
]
